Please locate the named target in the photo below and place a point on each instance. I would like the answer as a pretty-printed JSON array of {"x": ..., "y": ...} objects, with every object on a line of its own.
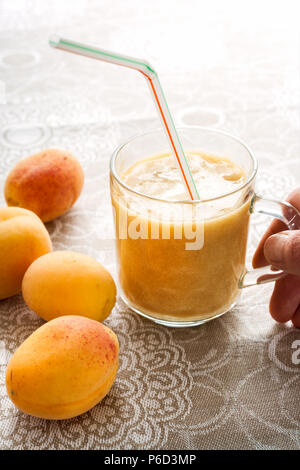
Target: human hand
[{"x": 281, "y": 248}]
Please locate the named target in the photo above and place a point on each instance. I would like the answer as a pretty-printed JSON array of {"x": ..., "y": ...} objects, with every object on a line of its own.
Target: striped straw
[{"x": 157, "y": 93}]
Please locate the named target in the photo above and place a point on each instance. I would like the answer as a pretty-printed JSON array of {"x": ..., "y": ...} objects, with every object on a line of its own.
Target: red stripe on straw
[
  {"x": 169, "y": 134},
  {"x": 161, "y": 112}
]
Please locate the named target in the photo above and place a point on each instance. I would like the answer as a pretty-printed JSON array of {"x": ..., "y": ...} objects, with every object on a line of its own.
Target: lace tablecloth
[{"x": 231, "y": 383}]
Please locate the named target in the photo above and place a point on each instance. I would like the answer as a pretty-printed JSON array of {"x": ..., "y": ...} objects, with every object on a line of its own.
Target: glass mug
[{"x": 182, "y": 263}]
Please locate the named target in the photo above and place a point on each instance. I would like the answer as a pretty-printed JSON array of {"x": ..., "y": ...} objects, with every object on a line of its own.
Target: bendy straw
[{"x": 157, "y": 93}]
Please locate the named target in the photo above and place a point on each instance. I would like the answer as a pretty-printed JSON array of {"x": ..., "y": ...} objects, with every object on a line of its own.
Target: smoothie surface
[{"x": 159, "y": 177}]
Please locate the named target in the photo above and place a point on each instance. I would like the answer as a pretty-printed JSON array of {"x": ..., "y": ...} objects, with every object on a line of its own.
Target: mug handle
[{"x": 279, "y": 210}]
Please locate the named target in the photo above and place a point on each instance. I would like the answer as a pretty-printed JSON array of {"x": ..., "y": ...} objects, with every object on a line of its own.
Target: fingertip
[
  {"x": 259, "y": 260},
  {"x": 285, "y": 299},
  {"x": 278, "y": 312},
  {"x": 282, "y": 250},
  {"x": 296, "y": 318},
  {"x": 274, "y": 249}
]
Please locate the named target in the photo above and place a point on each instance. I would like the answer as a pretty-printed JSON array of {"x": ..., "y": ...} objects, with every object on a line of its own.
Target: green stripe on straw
[
  {"x": 157, "y": 95},
  {"x": 102, "y": 53},
  {"x": 179, "y": 143}
]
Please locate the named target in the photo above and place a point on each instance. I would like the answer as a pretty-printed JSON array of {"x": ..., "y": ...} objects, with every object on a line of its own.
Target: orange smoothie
[{"x": 164, "y": 272}]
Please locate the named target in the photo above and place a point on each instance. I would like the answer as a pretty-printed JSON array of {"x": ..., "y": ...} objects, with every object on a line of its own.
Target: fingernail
[{"x": 274, "y": 248}]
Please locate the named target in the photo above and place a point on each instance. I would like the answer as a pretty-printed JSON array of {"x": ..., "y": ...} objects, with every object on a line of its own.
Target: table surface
[{"x": 232, "y": 65}]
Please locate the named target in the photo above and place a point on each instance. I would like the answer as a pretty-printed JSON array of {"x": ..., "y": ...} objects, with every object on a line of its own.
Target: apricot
[
  {"x": 23, "y": 238},
  {"x": 69, "y": 283},
  {"x": 64, "y": 368},
  {"x": 48, "y": 183}
]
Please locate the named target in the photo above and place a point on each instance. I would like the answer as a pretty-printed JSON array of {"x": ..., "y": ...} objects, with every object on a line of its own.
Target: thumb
[{"x": 283, "y": 251}]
